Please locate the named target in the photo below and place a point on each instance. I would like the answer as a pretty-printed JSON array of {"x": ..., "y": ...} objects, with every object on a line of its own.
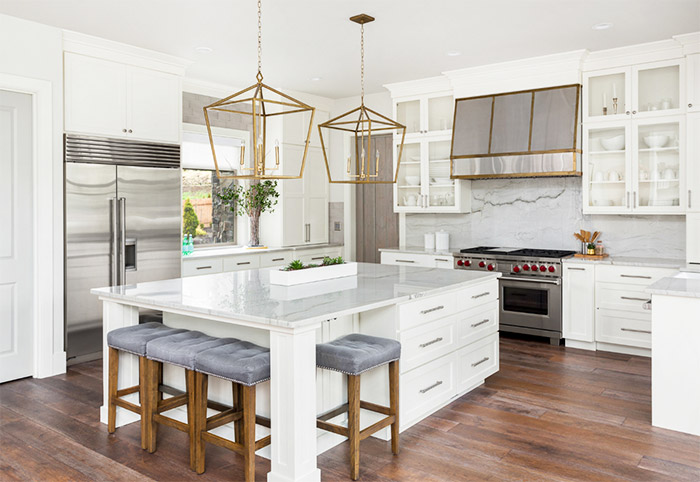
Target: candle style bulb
[
  {"x": 242, "y": 154},
  {"x": 348, "y": 165},
  {"x": 614, "y": 90},
  {"x": 277, "y": 152},
  {"x": 376, "y": 162},
  {"x": 605, "y": 99}
]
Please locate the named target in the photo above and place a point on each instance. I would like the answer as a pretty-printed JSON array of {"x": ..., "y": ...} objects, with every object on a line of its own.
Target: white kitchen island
[{"x": 447, "y": 322}]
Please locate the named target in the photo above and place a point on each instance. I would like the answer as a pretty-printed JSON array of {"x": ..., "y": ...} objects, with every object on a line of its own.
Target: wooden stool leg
[
  {"x": 201, "y": 382},
  {"x": 249, "y": 431},
  {"x": 149, "y": 404},
  {"x": 191, "y": 415},
  {"x": 394, "y": 404},
  {"x": 113, "y": 375},
  {"x": 238, "y": 406},
  {"x": 354, "y": 424},
  {"x": 144, "y": 398}
]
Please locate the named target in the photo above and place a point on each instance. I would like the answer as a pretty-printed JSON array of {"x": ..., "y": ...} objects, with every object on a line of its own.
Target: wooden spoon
[{"x": 595, "y": 236}]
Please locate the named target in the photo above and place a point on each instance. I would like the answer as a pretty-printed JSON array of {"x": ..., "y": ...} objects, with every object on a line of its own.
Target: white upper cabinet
[
  {"x": 693, "y": 163},
  {"x": 693, "y": 82},
  {"x": 644, "y": 90},
  {"x": 112, "y": 99}
]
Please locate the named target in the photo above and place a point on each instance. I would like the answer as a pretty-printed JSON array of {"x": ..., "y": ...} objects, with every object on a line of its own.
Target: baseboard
[
  {"x": 56, "y": 365},
  {"x": 627, "y": 350},
  {"x": 583, "y": 345}
]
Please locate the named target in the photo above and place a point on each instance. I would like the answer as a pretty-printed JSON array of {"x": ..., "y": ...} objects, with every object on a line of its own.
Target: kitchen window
[{"x": 203, "y": 215}]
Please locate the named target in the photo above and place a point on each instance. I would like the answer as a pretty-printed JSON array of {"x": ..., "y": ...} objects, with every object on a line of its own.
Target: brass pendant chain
[
  {"x": 259, "y": 76},
  {"x": 362, "y": 63}
]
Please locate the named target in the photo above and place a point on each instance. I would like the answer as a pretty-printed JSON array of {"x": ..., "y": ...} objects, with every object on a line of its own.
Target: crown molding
[
  {"x": 419, "y": 86},
  {"x": 633, "y": 54},
  {"x": 91, "y": 46},
  {"x": 690, "y": 42}
]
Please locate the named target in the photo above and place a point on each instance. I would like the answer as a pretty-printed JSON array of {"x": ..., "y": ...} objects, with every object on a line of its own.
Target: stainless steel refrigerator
[{"x": 122, "y": 226}]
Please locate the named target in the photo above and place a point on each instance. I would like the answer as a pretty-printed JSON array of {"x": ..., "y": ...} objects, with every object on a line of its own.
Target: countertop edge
[{"x": 242, "y": 251}]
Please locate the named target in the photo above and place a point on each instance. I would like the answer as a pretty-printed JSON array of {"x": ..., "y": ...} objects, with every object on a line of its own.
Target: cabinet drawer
[
  {"x": 409, "y": 259},
  {"x": 623, "y": 329},
  {"x": 237, "y": 263},
  {"x": 478, "y": 295},
  {"x": 427, "y": 342},
  {"x": 277, "y": 258},
  {"x": 315, "y": 256},
  {"x": 445, "y": 262},
  {"x": 424, "y": 310},
  {"x": 426, "y": 388},
  {"x": 637, "y": 275},
  {"x": 624, "y": 297},
  {"x": 477, "y": 361},
  {"x": 194, "y": 267},
  {"x": 477, "y": 323}
]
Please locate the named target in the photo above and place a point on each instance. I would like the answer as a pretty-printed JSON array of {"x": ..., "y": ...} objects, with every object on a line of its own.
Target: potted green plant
[{"x": 259, "y": 197}]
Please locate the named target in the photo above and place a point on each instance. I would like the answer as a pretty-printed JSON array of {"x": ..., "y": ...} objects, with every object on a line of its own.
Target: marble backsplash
[{"x": 544, "y": 213}]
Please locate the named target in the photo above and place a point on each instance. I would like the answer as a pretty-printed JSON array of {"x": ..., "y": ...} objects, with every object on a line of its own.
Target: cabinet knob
[
  {"x": 130, "y": 131},
  {"x": 123, "y": 130},
  {"x": 628, "y": 112},
  {"x": 634, "y": 112},
  {"x": 690, "y": 105}
]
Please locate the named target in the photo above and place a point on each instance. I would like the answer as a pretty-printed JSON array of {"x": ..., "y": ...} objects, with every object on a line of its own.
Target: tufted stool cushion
[
  {"x": 133, "y": 339},
  {"x": 241, "y": 362},
  {"x": 181, "y": 348},
  {"x": 356, "y": 353}
]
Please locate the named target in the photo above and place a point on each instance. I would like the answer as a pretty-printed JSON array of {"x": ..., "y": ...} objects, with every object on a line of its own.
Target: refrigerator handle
[
  {"x": 114, "y": 241},
  {"x": 122, "y": 240}
]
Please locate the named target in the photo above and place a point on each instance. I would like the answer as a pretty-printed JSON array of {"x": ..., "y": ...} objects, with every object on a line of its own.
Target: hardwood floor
[{"x": 550, "y": 413}]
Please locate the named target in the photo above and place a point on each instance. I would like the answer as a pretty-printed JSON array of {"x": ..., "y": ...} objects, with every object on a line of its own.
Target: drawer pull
[
  {"x": 317, "y": 258},
  {"x": 576, "y": 269},
  {"x": 431, "y": 342},
  {"x": 474, "y": 325},
  {"x": 634, "y": 276},
  {"x": 405, "y": 261},
  {"x": 648, "y": 332},
  {"x": 277, "y": 259},
  {"x": 203, "y": 267},
  {"x": 444, "y": 260},
  {"x": 427, "y": 389},
  {"x": 486, "y": 293},
  {"x": 243, "y": 262},
  {"x": 430, "y": 310},
  {"x": 483, "y": 360},
  {"x": 631, "y": 298}
]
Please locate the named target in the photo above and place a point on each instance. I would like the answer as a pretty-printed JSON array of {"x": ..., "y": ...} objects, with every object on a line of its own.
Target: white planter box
[{"x": 309, "y": 275}]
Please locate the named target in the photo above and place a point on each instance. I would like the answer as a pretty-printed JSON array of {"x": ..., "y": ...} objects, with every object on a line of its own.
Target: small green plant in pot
[
  {"x": 259, "y": 197},
  {"x": 298, "y": 264}
]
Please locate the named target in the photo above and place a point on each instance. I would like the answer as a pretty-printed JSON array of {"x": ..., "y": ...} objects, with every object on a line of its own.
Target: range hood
[{"x": 530, "y": 133}]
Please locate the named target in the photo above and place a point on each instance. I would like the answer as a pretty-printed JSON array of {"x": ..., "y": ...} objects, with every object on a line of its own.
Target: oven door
[{"x": 531, "y": 305}]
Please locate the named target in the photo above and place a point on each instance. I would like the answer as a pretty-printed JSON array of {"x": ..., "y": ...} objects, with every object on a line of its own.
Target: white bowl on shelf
[
  {"x": 442, "y": 180},
  {"x": 615, "y": 143},
  {"x": 413, "y": 180},
  {"x": 655, "y": 140}
]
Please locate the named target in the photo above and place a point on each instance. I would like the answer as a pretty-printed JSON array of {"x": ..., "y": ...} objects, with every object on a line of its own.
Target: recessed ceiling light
[
  {"x": 316, "y": 79},
  {"x": 203, "y": 50},
  {"x": 453, "y": 53},
  {"x": 602, "y": 26}
]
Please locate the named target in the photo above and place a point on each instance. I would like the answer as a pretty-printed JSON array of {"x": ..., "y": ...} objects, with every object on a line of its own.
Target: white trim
[
  {"x": 217, "y": 131},
  {"x": 49, "y": 356},
  {"x": 419, "y": 87}
]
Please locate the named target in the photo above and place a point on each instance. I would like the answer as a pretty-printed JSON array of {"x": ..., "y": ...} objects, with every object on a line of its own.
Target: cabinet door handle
[
  {"x": 277, "y": 259},
  {"x": 430, "y": 310},
  {"x": 405, "y": 261},
  {"x": 485, "y": 293},
  {"x": 576, "y": 269},
  {"x": 243, "y": 263},
  {"x": 474, "y": 325},
  {"x": 690, "y": 204},
  {"x": 634, "y": 199},
  {"x": 483, "y": 360},
  {"x": 203, "y": 267},
  {"x": 431, "y": 342},
  {"x": 628, "y": 199},
  {"x": 634, "y": 276},
  {"x": 434, "y": 385},
  {"x": 648, "y": 332},
  {"x": 631, "y": 298}
]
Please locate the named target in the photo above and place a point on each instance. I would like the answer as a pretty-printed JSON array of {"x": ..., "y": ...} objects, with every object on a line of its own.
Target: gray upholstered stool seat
[
  {"x": 356, "y": 353},
  {"x": 238, "y": 361},
  {"x": 181, "y": 348},
  {"x": 133, "y": 339}
]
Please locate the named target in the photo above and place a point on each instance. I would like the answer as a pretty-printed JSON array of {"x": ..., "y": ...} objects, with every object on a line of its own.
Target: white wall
[{"x": 34, "y": 51}]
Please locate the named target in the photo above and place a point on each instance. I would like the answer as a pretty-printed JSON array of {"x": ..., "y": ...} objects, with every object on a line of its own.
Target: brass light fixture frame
[
  {"x": 362, "y": 122},
  {"x": 255, "y": 97}
]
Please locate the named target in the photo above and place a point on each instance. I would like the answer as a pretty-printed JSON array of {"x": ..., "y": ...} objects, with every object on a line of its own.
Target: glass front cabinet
[
  {"x": 424, "y": 183},
  {"x": 635, "y": 167}
]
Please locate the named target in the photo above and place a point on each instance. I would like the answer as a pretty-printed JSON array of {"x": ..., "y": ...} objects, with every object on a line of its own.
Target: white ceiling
[{"x": 314, "y": 38}]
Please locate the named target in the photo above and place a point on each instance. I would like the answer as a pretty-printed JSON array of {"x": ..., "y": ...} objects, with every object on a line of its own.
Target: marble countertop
[
  {"x": 685, "y": 283},
  {"x": 248, "y": 295},
  {"x": 633, "y": 261},
  {"x": 241, "y": 250},
  {"x": 420, "y": 250}
]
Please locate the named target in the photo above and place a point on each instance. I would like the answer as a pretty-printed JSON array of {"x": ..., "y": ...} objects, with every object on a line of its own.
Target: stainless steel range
[{"x": 530, "y": 288}]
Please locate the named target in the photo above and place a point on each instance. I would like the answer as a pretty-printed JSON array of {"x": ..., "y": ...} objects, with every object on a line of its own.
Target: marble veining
[
  {"x": 544, "y": 213},
  {"x": 633, "y": 261},
  {"x": 683, "y": 284},
  {"x": 248, "y": 295}
]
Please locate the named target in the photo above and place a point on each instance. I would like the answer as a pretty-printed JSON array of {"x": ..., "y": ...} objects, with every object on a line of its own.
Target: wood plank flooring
[{"x": 550, "y": 413}]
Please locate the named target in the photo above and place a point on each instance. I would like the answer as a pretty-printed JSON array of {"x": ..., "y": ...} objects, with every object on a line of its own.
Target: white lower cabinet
[
  {"x": 578, "y": 302},
  {"x": 238, "y": 263},
  {"x": 196, "y": 267},
  {"x": 692, "y": 236},
  {"x": 417, "y": 259},
  {"x": 427, "y": 387},
  {"x": 477, "y": 361}
]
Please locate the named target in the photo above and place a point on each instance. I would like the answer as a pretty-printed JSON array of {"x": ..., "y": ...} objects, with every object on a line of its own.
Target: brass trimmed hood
[{"x": 529, "y": 133}]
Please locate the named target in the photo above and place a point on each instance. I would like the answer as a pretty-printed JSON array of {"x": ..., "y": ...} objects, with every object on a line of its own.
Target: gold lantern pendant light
[
  {"x": 264, "y": 105},
  {"x": 366, "y": 166}
]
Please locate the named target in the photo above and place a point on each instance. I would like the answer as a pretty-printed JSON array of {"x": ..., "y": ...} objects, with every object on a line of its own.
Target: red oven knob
[
  {"x": 460, "y": 262},
  {"x": 481, "y": 264},
  {"x": 491, "y": 267},
  {"x": 543, "y": 268},
  {"x": 516, "y": 269},
  {"x": 526, "y": 267},
  {"x": 467, "y": 263},
  {"x": 551, "y": 269}
]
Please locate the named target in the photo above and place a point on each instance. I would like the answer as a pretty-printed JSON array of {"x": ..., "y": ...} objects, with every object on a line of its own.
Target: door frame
[{"x": 47, "y": 296}]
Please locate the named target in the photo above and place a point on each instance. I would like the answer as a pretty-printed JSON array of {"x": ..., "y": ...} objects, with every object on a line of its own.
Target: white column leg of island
[
  {"x": 116, "y": 315},
  {"x": 293, "y": 406}
]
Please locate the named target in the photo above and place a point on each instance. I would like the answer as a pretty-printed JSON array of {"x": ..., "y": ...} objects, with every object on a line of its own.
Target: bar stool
[
  {"x": 180, "y": 350},
  {"x": 353, "y": 355},
  {"x": 130, "y": 339},
  {"x": 245, "y": 365}
]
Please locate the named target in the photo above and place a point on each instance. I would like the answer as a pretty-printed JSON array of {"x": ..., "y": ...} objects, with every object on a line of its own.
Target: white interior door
[{"x": 16, "y": 257}]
